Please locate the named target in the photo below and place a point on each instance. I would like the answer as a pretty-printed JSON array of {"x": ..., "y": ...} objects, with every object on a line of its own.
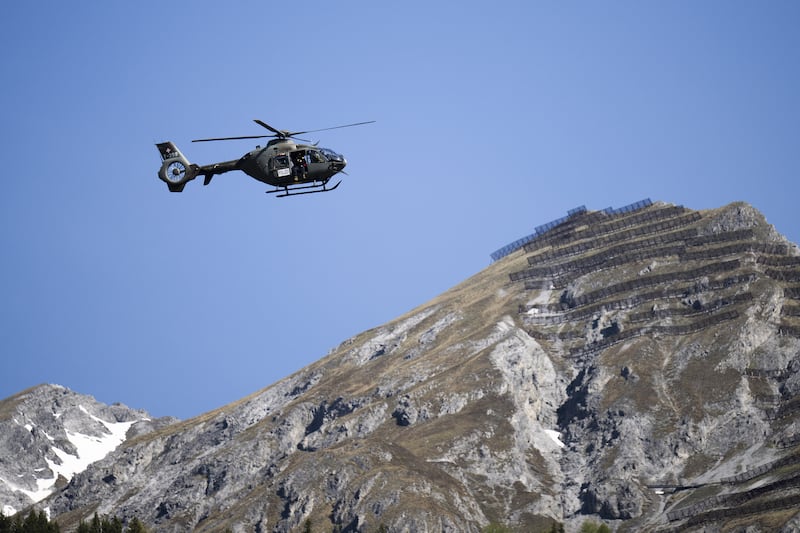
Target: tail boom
[{"x": 176, "y": 171}]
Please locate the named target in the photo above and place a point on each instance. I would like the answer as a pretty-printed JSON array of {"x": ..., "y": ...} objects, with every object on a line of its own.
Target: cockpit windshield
[
  {"x": 315, "y": 156},
  {"x": 330, "y": 155}
]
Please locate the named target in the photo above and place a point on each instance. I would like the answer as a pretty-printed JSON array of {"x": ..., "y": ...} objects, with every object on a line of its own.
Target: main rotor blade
[
  {"x": 270, "y": 128},
  {"x": 231, "y": 138},
  {"x": 333, "y": 128},
  {"x": 285, "y": 134},
  {"x": 282, "y": 134}
]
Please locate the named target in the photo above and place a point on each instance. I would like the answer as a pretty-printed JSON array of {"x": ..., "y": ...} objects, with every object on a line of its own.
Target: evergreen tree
[
  {"x": 17, "y": 526},
  {"x": 136, "y": 526},
  {"x": 113, "y": 525},
  {"x": 34, "y": 522},
  {"x": 95, "y": 526},
  {"x": 594, "y": 527}
]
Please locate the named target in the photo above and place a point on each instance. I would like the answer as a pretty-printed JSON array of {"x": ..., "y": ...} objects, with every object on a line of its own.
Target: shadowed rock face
[{"x": 639, "y": 368}]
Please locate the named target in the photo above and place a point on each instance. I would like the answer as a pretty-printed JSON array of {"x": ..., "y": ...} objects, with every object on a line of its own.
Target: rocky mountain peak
[
  {"x": 637, "y": 366},
  {"x": 50, "y": 433}
]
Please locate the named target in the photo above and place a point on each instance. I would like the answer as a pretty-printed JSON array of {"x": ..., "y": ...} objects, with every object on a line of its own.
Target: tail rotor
[{"x": 175, "y": 171}]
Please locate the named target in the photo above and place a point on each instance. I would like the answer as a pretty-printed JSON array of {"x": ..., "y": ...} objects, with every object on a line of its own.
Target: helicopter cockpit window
[
  {"x": 331, "y": 155},
  {"x": 315, "y": 156}
]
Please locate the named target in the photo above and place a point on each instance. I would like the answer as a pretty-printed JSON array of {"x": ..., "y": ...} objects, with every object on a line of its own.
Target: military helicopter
[{"x": 292, "y": 168}]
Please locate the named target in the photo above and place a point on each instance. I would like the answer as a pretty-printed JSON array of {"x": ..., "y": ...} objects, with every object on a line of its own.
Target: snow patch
[
  {"x": 89, "y": 449},
  {"x": 555, "y": 436},
  {"x": 44, "y": 488},
  {"x": 8, "y": 510}
]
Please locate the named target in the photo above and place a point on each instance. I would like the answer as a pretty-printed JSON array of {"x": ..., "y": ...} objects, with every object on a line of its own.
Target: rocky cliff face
[{"x": 640, "y": 368}]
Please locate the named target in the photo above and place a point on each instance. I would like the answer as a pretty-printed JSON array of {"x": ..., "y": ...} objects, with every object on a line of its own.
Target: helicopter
[{"x": 291, "y": 168}]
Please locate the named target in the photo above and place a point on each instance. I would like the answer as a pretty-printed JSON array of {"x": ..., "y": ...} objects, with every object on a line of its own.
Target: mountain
[
  {"x": 637, "y": 366},
  {"x": 50, "y": 433}
]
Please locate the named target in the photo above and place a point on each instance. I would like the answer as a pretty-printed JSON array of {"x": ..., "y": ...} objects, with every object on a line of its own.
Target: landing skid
[{"x": 305, "y": 189}]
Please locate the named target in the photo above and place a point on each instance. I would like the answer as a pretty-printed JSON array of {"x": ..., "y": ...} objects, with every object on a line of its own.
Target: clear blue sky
[{"x": 492, "y": 118}]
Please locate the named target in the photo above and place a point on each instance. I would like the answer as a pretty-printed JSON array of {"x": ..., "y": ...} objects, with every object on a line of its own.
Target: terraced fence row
[
  {"x": 560, "y": 275},
  {"x": 551, "y": 314},
  {"x": 590, "y": 239},
  {"x": 596, "y": 226},
  {"x": 545, "y": 228},
  {"x": 789, "y": 329},
  {"x": 760, "y": 470},
  {"x": 647, "y": 248},
  {"x": 629, "y": 333},
  {"x": 678, "y": 329},
  {"x": 783, "y": 275},
  {"x": 727, "y": 506},
  {"x": 650, "y": 281},
  {"x": 790, "y": 310},
  {"x": 789, "y": 441}
]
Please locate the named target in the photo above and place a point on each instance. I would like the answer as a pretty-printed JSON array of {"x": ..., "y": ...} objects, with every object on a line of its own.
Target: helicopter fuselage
[{"x": 283, "y": 163}]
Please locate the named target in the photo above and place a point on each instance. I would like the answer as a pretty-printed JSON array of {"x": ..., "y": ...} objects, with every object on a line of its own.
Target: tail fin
[{"x": 176, "y": 171}]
